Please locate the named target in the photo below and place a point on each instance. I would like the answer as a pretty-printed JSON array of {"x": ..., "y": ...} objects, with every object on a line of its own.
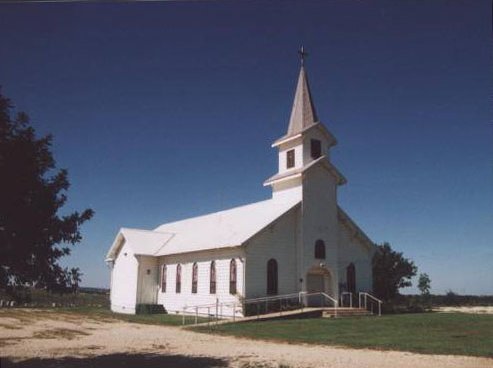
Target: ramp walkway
[{"x": 289, "y": 306}]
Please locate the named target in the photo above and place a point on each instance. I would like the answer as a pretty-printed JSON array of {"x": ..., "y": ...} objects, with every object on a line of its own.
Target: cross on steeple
[{"x": 303, "y": 54}]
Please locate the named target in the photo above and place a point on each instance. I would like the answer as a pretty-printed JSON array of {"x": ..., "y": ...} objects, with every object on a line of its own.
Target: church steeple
[
  {"x": 303, "y": 113},
  {"x": 304, "y": 147}
]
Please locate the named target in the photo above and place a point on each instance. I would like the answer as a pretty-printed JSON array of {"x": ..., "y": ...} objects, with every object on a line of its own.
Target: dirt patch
[
  {"x": 59, "y": 333},
  {"x": 472, "y": 310},
  {"x": 80, "y": 341}
]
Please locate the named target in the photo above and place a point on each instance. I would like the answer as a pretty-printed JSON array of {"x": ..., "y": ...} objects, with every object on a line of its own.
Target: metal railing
[
  {"x": 272, "y": 304},
  {"x": 212, "y": 312},
  {"x": 258, "y": 306},
  {"x": 346, "y": 293},
  {"x": 364, "y": 296}
]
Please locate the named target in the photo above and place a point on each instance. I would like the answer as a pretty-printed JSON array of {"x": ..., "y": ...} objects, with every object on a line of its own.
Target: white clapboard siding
[
  {"x": 175, "y": 302},
  {"x": 124, "y": 281},
  {"x": 320, "y": 222},
  {"x": 353, "y": 250},
  {"x": 278, "y": 241}
]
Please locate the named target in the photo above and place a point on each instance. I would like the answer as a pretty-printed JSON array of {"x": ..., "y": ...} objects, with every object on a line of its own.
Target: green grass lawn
[{"x": 430, "y": 333}]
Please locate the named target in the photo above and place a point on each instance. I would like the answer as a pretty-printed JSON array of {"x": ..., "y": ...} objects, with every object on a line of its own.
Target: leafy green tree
[
  {"x": 391, "y": 271},
  {"x": 75, "y": 278},
  {"x": 424, "y": 284},
  {"x": 33, "y": 236}
]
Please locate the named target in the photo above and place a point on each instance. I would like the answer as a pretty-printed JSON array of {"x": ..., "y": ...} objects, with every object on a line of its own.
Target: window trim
[
  {"x": 351, "y": 276},
  {"x": 320, "y": 249},
  {"x": 233, "y": 277},
  {"x": 178, "y": 279},
  {"x": 212, "y": 278},
  {"x": 164, "y": 277},
  {"x": 313, "y": 152},
  {"x": 272, "y": 277},
  {"x": 195, "y": 277},
  {"x": 290, "y": 159}
]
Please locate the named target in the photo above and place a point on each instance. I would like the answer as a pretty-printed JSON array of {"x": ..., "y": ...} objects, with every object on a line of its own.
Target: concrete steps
[{"x": 345, "y": 312}]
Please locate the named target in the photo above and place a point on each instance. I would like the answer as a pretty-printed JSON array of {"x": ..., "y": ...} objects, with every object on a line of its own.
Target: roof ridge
[
  {"x": 146, "y": 231},
  {"x": 220, "y": 212}
]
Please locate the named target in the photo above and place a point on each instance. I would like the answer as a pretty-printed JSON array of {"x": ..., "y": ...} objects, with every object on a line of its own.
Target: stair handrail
[
  {"x": 268, "y": 298},
  {"x": 350, "y": 298},
  {"x": 326, "y": 296},
  {"x": 366, "y": 295}
]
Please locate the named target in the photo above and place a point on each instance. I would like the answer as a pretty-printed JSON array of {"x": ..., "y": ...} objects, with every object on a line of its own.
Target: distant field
[
  {"x": 41, "y": 298},
  {"x": 430, "y": 333}
]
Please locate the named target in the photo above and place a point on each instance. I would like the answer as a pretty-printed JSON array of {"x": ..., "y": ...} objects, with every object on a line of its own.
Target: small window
[
  {"x": 290, "y": 159},
  {"x": 316, "y": 148},
  {"x": 272, "y": 277},
  {"x": 351, "y": 278},
  {"x": 195, "y": 276},
  {"x": 178, "y": 279},
  {"x": 319, "y": 249},
  {"x": 163, "y": 278},
  {"x": 212, "y": 286},
  {"x": 232, "y": 277}
]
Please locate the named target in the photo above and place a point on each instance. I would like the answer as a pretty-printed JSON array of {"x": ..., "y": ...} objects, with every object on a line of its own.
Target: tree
[
  {"x": 75, "y": 278},
  {"x": 33, "y": 236},
  {"x": 424, "y": 284},
  {"x": 391, "y": 271}
]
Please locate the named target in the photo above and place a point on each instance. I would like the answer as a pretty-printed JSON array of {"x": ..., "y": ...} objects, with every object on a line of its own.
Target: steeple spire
[{"x": 303, "y": 113}]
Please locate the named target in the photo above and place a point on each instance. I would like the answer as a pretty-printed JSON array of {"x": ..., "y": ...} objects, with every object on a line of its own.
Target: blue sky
[{"x": 162, "y": 111}]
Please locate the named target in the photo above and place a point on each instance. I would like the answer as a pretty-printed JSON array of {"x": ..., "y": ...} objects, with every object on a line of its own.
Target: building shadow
[{"x": 117, "y": 361}]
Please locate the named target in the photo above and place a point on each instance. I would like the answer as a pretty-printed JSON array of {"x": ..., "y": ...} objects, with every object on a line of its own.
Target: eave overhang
[
  {"x": 292, "y": 174},
  {"x": 332, "y": 141}
]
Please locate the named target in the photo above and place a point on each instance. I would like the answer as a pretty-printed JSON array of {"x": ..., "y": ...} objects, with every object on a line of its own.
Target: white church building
[{"x": 300, "y": 240}]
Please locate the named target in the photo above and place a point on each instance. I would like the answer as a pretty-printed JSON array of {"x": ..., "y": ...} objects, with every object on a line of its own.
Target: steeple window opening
[
  {"x": 290, "y": 159},
  {"x": 315, "y": 148}
]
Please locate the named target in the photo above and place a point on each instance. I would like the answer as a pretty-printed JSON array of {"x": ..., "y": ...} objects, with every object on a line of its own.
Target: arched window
[
  {"x": 163, "y": 278},
  {"x": 178, "y": 278},
  {"x": 351, "y": 278},
  {"x": 271, "y": 277},
  {"x": 212, "y": 285},
  {"x": 195, "y": 277},
  {"x": 319, "y": 249},
  {"x": 232, "y": 277}
]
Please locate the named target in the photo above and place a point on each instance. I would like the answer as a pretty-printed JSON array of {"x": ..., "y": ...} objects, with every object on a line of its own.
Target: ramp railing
[
  {"x": 257, "y": 307},
  {"x": 363, "y": 298}
]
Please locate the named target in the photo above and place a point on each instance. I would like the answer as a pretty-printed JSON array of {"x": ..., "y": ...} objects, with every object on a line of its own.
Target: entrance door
[{"x": 316, "y": 283}]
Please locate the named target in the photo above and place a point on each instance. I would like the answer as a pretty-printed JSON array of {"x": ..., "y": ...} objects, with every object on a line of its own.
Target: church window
[
  {"x": 195, "y": 276},
  {"x": 319, "y": 249},
  {"x": 212, "y": 286},
  {"x": 272, "y": 277},
  {"x": 232, "y": 277},
  {"x": 315, "y": 148},
  {"x": 290, "y": 159},
  {"x": 351, "y": 278},
  {"x": 163, "y": 278},
  {"x": 178, "y": 278}
]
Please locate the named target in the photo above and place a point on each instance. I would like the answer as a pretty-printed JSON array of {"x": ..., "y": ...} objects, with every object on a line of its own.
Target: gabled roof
[
  {"x": 303, "y": 112},
  {"x": 299, "y": 171},
  {"x": 348, "y": 221},
  {"x": 140, "y": 241},
  {"x": 224, "y": 229}
]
